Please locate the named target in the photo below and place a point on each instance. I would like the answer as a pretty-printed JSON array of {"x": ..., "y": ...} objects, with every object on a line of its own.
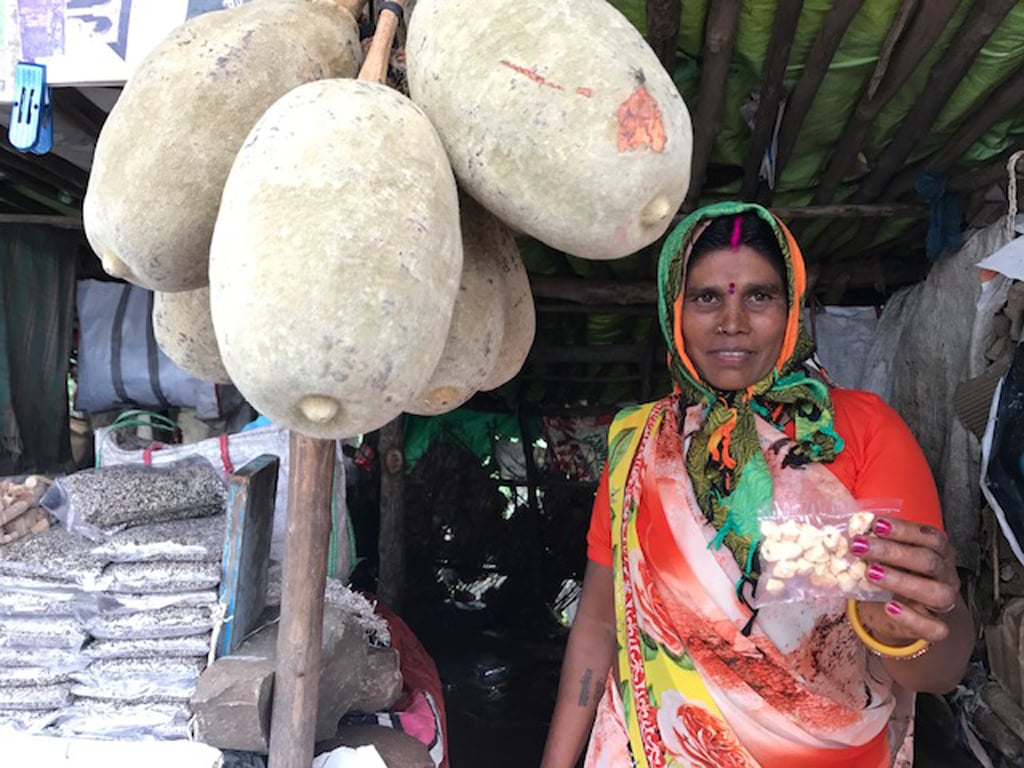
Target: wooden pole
[
  {"x": 942, "y": 82},
  {"x": 300, "y": 636},
  {"x": 391, "y": 546},
  {"x": 818, "y": 60},
  {"x": 719, "y": 39},
  {"x": 889, "y": 75},
  {"x": 993, "y": 172},
  {"x": 663, "y": 19},
  {"x": 42, "y": 219},
  {"x": 787, "y": 16}
]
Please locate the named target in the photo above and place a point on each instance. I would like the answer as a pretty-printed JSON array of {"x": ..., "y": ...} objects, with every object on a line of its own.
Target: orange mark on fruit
[
  {"x": 529, "y": 73},
  {"x": 584, "y": 92},
  {"x": 640, "y": 123}
]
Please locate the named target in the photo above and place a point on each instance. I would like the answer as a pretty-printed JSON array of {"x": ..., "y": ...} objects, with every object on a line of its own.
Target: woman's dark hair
[{"x": 746, "y": 228}]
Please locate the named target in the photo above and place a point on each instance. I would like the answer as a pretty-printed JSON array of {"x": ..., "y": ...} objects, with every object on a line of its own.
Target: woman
[{"x": 667, "y": 663}]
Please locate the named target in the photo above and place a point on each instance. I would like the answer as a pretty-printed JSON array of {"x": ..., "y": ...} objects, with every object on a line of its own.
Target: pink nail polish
[
  {"x": 893, "y": 608},
  {"x": 875, "y": 572},
  {"x": 883, "y": 527},
  {"x": 859, "y": 545}
]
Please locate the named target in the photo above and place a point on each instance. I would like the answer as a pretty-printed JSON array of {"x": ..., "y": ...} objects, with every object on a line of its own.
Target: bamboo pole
[
  {"x": 719, "y": 39},
  {"x": 787, "y": 16},
  {"x": 304, "y": 576},
  {"x": 942, "y": 82},
  {"x": 818, "y": 61},
  {"x": 889, "y": 75}
]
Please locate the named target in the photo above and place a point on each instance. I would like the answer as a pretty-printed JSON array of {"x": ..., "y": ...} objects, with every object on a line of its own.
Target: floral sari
[{"x": 697, "y": 682}]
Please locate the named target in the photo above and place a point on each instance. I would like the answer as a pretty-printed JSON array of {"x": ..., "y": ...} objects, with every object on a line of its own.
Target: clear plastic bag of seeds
[
  {"x": 96, "y": 503},
  {"x": 805, "y": 552}
]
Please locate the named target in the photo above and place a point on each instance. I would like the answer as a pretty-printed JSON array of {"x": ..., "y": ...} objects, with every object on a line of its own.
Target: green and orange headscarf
[{"x": 730, "y": 477}]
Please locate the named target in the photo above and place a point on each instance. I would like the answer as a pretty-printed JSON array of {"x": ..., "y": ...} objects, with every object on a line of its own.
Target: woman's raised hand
[{"x": 917, "y": 564}]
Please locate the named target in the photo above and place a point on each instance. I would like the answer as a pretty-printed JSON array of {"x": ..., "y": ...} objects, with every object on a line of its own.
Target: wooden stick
[
  {"x": 300, "y": 636},
  {"x": 593, "y": 291},
  {"x": 787, "y": 16},
  {"x": 1001, "y": 102},
  {"x": 818, "y": 60},
  {"x": 663, "y": 20},
  {"x": 942, "y": 82},
  {"x": 888, "y": 77},
  {"x": 719, "y": 39},
  {"x": 45, "y": 220},
  {"x": 391, "y": 541},
  {"x": 993, "y": 172},
  {"x": 375, "y": 65}
]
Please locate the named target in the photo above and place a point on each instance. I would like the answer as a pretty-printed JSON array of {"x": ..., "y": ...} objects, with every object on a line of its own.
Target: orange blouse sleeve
[
  {"x": 881, "y": 458},
  {"x": 599, "y": 535}
]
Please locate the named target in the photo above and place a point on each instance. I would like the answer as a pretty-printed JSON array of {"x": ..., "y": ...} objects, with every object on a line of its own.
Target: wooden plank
[
  {"x": 719, "y": 40},
  {"x": 391, "y": 546},
  {"x": 250, "y": 527},
  {"x": 787, "y": 16},
  {"x": 889, "y": 75},
  {"x": 308, "y": 531},
  {"x": 945, "y": 76},
  {"x": 663, "y": 20},
  {"x": 819, "y": 59},
  {"x": 997, "y": 105}
]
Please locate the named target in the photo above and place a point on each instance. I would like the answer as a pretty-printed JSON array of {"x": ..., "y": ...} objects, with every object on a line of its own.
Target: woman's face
[{"x": 734, "y": 316}]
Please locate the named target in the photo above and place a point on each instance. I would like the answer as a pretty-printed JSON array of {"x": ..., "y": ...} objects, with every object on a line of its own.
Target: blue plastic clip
[{"x": 31, "y": 128}]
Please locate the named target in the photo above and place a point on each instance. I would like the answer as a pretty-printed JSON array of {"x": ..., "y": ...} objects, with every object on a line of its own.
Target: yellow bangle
[{"x": 901, "y": 652}]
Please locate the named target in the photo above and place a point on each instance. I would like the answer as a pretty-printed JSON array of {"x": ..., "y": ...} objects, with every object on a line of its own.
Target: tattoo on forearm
[{"x": 584, "y": 699}]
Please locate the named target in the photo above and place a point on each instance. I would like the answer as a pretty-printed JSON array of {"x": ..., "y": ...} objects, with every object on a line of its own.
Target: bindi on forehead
[{"x": 732, "y": 288}]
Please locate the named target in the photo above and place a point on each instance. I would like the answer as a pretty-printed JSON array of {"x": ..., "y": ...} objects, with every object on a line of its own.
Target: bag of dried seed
[
  {"x": 96, "y": 503},
  {"x": 805, "y": 554}
]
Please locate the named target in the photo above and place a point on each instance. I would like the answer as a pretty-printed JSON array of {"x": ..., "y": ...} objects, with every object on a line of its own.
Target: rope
[{"x": 1011, "y": 194}]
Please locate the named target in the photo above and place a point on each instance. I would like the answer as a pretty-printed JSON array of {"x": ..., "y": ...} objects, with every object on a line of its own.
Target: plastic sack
[
  {"x": 119, "y": 361},
  {"x": 116, "y": 720},
  {"x": 26, "y": 721},
  {"x": 194, "y": 646},
  {"x": 24, "y": 602},
  {"x": 48, "y": 658},
  {"x": 158, "y": 577},
  {"x": 805, "y": 554},
  {"x": 228, "y": 453},
  {"x": 96, "y": 503},
  {"x": 36, "y": 697},
  {"x": 190, "y": 540},
  {"x": 36, "y": 633},
  {"x": 146, "y": 678},
  {"x": 178, "y": 621},
  {"x": 55, "y": 555}
]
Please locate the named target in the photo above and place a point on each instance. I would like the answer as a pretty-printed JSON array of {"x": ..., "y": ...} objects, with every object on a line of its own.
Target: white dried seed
[
  {"x": 860, "y": 523},
  {"x": 769, "y": 529},
  {"x": 842, "y": 547},
  {"x": 786, "y": 569},
  {"x": 774, "y": 586},
  {"x": 824, "y": 580},
  {"x": 790, "y": 530},
  {"x": 838, "y": 565},
  {"x": 858, "y": 569},
  {"x": 816, "y": 554},
  {"x": 803, "y": 566},
  {"x": 846, "y": 582},
  {"x": 808, "y": 538},
  {"x": 831, "y": 537}
]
